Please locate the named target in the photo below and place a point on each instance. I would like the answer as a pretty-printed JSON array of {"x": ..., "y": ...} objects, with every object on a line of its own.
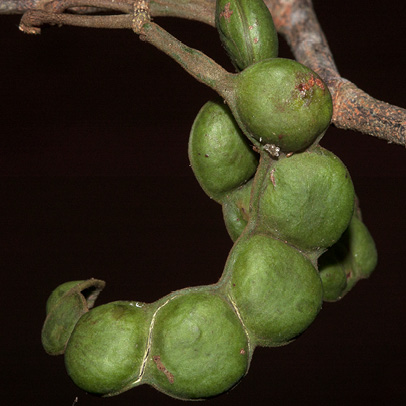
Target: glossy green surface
[{"x": 246, "y": 31}]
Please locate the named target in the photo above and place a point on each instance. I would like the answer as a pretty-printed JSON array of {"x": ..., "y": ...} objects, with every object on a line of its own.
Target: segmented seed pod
[
  {"x": 307, "y": 199},
  {"x": 332, "y": 270},
  {"x": 354, "y": 255},
  {"x": 106, "y": 350},
  {"x": 197, "y": 343},
  {"x": 220, "y": 155},
  {"x": 363, "y": 256},
  {"x": 64, "y": 307},
  {"x": 247, "y": 31},
  {"x": 199, "y": 348},
  {"x": 281, "y": 103},
  {"x": 275, "y": 288},
  {"x": 236, "y": 208},
  {"x": 362, "y": 247}
]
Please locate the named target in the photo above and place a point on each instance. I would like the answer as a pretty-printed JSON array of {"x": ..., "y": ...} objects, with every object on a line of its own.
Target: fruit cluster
[{"x": 290, "y": 208}]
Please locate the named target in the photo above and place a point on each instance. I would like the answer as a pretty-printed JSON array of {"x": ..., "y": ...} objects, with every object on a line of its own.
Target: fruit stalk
[{"x": 196, "y": 63}]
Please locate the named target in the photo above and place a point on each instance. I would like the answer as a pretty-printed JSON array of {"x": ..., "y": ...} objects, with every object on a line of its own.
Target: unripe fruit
[
  {"x": 362, "y": 247},
  {"x": 308, "y": 199},
  {"x": 275, "y": 288},
  {"x": 197, "y": 343},
  {"x": 333, "y": 273},
  {"x": 106, "y": 350},
  {"x": 219, "y": 153},
  {"x": 354, "y": 255},
  {"x": 65, "y": 306},
  {"x": 247, "y": 31},
  {"x": 236, "y": 207},
  {"x": 57, "y": 294},
  {"x": 199, "y": 348},
  {"x": 362, "y": 252},
  {"x": 283, "y": 103}
]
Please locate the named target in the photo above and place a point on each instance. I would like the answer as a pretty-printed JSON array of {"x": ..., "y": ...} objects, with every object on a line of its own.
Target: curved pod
[
  {"x": 275, "y": 288},
  {"x": 106, "y": 350},
  {"x": 283, "y": 103},
  {"x": 308, "y": 199},
  {"x": 220, "y": 155},
  {"x": 199, "y": 348},
  {"x": 247, "y": 31}
]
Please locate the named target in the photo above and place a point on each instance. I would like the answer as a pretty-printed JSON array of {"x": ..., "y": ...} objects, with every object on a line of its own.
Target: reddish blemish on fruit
[
  {"x": 161, "y": 367},
  {"x": 319, "y": 83},
  {"x": 226, "y": 13},
  {"x": 272, "y": 177},
  {"x": 304, "y": 87}
]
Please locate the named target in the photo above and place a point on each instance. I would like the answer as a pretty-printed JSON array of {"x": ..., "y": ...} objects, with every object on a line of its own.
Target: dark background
[{"x": 95, "y": 182}]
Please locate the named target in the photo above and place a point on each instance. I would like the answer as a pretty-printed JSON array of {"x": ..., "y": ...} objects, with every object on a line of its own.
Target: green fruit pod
[
  {"x": 219, "y": 153},
  {"x": 281, "y": 103},
  {"x": 307, "y": 199},
  {"x": 363, "y": 255},
  {"x": 332, "y": 270},
  {"x": 275, "y": 288},
  {"x": 236, "y": 209},
  {"x": 64, "y": 307},
  {"x": 362, "y": 247},
  {"x": 106, "y": 351},
  {"x": 247, "y": 31},
  {"x": 354, "y": 256},
  {"x": 199, "y": 348}
]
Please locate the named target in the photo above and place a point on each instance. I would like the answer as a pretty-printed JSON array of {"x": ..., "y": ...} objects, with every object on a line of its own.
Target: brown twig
[
  {"x": 22, "y": 6},
  {"x": 31, "y": 21},
  {"x": 196, "y": 63},
  {"x": 295, "y": 20}
]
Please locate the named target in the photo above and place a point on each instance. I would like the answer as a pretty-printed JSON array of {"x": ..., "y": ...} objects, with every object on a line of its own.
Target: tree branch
[
  {"x": 354, "y": 109},
  {"x": 22, "y": 6},
  {"x": 196, "y": 63},
  {"x": 357, "y": 110},
  {"x": 294, "y": 19}
]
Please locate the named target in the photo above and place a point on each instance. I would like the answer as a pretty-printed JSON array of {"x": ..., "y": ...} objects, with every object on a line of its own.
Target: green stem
[
  {"x": 196, "y": 63},
  {"x": 198, "y": 10}
]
